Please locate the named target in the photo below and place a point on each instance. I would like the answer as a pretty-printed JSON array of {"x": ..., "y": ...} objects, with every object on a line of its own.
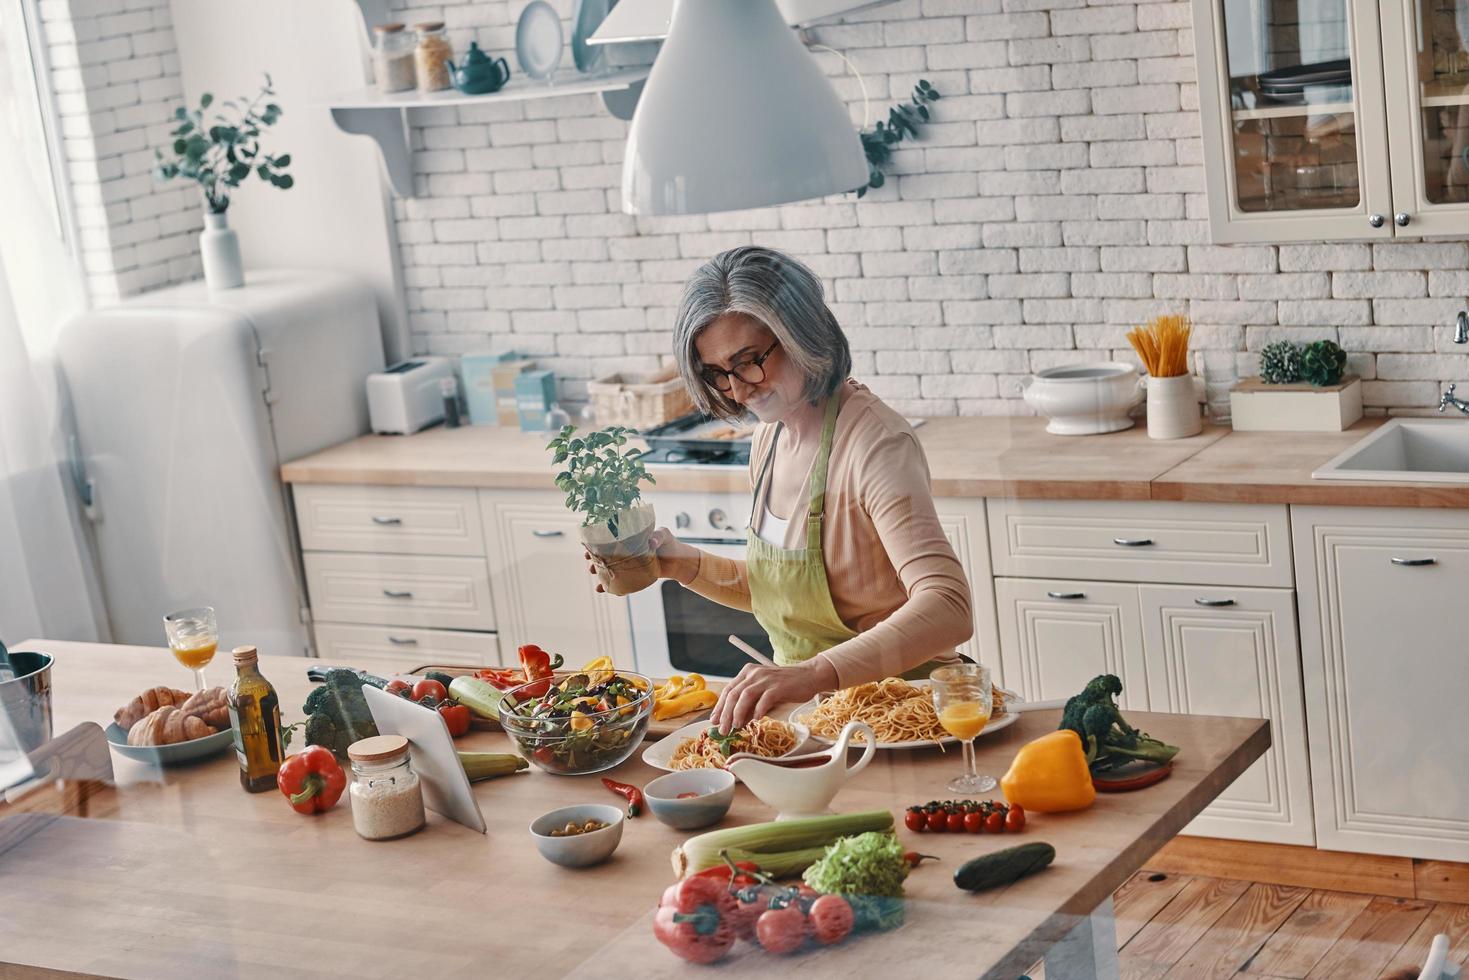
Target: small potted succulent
[
  {"x": 1301, "y": 389},
  {"x": 601, "y": 477}
]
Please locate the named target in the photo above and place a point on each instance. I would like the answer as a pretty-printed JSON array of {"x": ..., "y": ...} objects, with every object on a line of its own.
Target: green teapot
[{"x": 477, "y": 74}]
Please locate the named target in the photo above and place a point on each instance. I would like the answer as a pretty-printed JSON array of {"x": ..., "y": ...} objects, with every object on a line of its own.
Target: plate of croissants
[{"x": 164, "y": 726}]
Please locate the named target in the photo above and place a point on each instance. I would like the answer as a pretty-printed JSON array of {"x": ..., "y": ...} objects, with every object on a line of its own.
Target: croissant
[
  {"x": 210, "y": 706},
  {"x": 147, "y": 703},
  {"x": 166, "y": 726}
]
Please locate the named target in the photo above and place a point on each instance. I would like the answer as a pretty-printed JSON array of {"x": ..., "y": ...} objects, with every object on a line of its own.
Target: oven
[{"x": 677, "y": 631}]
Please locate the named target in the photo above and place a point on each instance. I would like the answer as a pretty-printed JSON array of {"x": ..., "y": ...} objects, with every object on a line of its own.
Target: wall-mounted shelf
[{"x": 368, "y": 112}]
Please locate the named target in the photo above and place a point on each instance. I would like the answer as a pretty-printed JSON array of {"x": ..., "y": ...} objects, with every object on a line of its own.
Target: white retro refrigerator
[{"x": 187, "y": 402}]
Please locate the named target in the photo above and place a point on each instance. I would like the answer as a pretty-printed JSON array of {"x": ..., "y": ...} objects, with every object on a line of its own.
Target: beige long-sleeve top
[{"x": 894, "y": 579}]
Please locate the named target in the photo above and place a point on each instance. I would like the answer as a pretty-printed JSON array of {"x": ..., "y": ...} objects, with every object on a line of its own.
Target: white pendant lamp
[{"x": 736, "y": 114}]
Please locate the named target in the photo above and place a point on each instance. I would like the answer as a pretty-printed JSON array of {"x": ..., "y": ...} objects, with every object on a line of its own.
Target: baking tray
[{"x": 694, "y": 433}]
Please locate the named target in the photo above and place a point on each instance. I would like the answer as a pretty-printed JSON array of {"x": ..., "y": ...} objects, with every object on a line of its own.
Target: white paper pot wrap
[
  {"x": 625, "y": 562},
  {"x": 1173, "y": 408}
]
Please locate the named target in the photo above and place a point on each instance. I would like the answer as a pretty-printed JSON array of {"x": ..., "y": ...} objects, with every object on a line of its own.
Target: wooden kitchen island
[{"x": 181, "y": 873}]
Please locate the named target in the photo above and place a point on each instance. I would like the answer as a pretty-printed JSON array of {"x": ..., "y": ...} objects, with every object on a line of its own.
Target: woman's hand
[
  {"x": 676, "y": 560},
  {"x": 758, "y": 690}
]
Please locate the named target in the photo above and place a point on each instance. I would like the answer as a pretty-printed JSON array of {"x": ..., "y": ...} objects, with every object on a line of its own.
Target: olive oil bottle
[{"x": 255, "y": 717}]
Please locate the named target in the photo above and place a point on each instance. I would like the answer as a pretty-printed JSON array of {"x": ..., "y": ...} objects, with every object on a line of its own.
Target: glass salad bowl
[{"x": 578, "y": 723}]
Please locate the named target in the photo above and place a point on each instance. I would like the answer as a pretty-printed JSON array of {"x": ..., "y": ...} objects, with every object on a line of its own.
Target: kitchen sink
[{"x": 1406, "y": 450}]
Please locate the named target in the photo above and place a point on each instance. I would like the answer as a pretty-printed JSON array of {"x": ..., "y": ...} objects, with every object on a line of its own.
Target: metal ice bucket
[{"x": 25, "y": 704}]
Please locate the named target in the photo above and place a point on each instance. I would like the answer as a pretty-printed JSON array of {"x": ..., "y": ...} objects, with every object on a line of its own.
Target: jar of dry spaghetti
[
  {"x": 432, "y": 56},
  {"x": 392, "y": 58}
]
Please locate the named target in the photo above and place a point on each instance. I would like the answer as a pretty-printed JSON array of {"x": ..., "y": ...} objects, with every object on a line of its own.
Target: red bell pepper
[
  {"x": 694, "y": 921},
  {"x": 539, "y": 669},
  {"x": 503, "y": 678},
  {"x": 456, "y": 716},
  {"x": 311, "y": 779}
]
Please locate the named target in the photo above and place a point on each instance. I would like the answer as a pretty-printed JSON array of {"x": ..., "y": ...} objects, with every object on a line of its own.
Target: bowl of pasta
[
  {"x": 701, "y": 746},
  {"x": 901, "y": 714}
]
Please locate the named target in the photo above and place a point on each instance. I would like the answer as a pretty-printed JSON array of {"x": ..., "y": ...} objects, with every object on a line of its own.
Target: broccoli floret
[
  {"x": 1110, "y": 742},
  {"x": 337, "y": 713}
]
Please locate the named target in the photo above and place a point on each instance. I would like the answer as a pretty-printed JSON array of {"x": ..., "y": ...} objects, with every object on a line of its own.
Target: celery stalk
[{"x": 781, "y": 847}]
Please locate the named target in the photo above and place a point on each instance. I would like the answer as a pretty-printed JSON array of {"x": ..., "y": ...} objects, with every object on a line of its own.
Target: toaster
[{"x": 406, "y": 396}]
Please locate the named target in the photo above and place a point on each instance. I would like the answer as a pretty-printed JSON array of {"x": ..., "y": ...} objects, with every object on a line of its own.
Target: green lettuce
[{"x": 868, "y": 871}]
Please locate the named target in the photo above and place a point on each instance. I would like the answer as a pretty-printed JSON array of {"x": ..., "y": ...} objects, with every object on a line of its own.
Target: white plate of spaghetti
[
  {"x": 900, "y": 712},
  {"x": 692, "y": 746}
]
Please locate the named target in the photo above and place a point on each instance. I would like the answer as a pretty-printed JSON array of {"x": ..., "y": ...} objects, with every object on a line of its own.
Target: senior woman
[{"x": 847, "y": 567}]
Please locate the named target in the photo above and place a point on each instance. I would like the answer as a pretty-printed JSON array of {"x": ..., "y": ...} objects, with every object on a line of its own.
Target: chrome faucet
[
  {"x": 1461, "y": 328},
  {"x": 1449, "y": 399}
]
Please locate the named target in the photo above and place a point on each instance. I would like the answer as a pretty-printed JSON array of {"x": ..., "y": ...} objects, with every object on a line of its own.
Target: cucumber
[
  {"x": 480, "y": 697},
  {"x": 440, "y": 676},
  {"x": 1003, "y": 867},
  {"x": 489, "y": 765}
]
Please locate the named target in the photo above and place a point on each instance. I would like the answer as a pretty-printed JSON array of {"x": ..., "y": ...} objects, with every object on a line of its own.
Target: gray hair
[{"x": 780, "y": 293}]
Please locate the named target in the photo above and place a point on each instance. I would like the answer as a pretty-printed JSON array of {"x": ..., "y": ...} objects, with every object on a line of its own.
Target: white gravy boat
[{"x": 803, "y": 785}]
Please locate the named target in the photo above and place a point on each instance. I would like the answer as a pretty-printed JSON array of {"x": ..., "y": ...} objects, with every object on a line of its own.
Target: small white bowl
[
  {"x": 578, "y": 850},
  {"x": 716, "y": 792}
]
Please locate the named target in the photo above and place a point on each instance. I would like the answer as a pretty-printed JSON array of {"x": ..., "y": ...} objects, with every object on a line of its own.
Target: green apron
[{"x": 789, "y": 593}]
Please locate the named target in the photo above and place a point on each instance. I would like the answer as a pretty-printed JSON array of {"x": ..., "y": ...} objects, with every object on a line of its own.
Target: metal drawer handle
[
  {"x": 397, "y": 595},
  {"x": 1415, "y": 562},
  {"x": 402, "y": 641},
  {"x": 1213, "y": 602},
  {"x": 1132, "y": 542},
  {"x": 547, "y": 534},
  {"x": 1067, "y": 595},
  {"x": 387, "y": 521}
]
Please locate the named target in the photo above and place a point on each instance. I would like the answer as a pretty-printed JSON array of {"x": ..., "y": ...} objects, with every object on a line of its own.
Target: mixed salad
[{"x": 582, "y": 722}]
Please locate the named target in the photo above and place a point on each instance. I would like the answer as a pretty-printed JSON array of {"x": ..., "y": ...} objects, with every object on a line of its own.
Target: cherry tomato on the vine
[
  {"x": 1015, "y": 819},
  {"x": 916, "y": 820},
  {"x": 955, "y": 822},
  {"x": 995, "y": 822},
  {"x": 938, "y": 821},
  {"x": 974, "y": 821}
]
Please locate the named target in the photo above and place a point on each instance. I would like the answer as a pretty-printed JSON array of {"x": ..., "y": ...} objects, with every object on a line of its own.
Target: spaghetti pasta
[
  {"x": 763, "y": 737},
  {"x": 896, "y": 710}
]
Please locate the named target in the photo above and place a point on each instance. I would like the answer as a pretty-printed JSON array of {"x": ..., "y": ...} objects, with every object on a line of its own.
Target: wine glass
[
  {"x": 963, "y": 698},
  {"x": 193, "y": 637}
]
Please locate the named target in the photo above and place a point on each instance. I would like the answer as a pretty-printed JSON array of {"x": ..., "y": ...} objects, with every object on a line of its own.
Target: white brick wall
[{"x": 115, "y": 70}]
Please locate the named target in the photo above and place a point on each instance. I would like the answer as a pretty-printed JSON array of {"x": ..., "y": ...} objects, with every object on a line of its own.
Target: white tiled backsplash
[{"x": 1057, "y": 199}]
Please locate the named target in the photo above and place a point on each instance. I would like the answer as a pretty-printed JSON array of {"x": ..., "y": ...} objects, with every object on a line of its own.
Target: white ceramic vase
[
  {"x": 1173, "y": 408},
  {"x": 219, "y": 247}
]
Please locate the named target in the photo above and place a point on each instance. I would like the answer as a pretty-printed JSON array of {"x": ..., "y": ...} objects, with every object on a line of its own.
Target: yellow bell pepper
[
  {"x": 682, "y": 695},
  {"x": 601, "y": 663},
  {"x": 1050, "y": 775},
  {"x": 580, "y": 722}
]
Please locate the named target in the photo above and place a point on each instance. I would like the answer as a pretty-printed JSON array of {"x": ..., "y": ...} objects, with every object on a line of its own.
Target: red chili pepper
[
  {"x": 913, "y": 859},
  {"x": 456, "y": 716},
  {"x": 632, "y": 793},
  {"x": 539, "y": 669},
  {"x": 311, "y": 779},
  {"x": 503, "y": 678}
]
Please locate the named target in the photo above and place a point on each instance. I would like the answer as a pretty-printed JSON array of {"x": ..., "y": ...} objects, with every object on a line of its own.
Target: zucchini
[
  {"x": 1003, "y": 867},
  {"x": 489, "y": 765},
  {"x": 373, "y": 679},
  {"x": 481, "y": 697}
]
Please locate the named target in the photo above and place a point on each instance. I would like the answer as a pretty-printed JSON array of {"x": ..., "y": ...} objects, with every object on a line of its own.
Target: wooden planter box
[{"x": 1299, "y": 407}]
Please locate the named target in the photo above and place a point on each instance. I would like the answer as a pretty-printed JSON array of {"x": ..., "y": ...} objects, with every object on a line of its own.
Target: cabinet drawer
[
  {"x": 398, "y": 520},
  {"x": 351, "y": 646},
  {"x": 1141, "y": 541},
  {"x": 400, "y": 590}
]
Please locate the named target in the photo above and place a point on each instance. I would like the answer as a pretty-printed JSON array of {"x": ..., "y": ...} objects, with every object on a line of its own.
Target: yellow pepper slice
[
  {"x": 601, "y": 663},
  {"x": 579, "y": 721},
  {"x": 683, "y": 704},
  {"x": 1050, "y": 775}
]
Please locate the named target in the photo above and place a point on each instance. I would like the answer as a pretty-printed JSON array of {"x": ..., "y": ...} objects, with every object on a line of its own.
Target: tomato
[
  {"x": 916, "y": 820},
  {"x": 431, "y": 689},
  {"x": 399, "y": 687},
  {"x": 974, "y": 821},
  {"x": 995, "y": 822},
  {"x": 456, "y": 716},
  {"x": 1015, "y": 819},
  {"x": 742, "y": 920},
  {"x": 781, "y": 930},
  {"x": 938, "y": 821},
  {"x": 955, "y": 822},
  {"x": 830, "y": 919}
]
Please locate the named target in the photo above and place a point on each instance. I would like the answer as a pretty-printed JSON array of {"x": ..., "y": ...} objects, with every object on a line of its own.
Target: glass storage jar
[
  {"x": 387, "y": 799},
  {"x": 432, "y": 56},
  {"x": 393, "y": 58}
]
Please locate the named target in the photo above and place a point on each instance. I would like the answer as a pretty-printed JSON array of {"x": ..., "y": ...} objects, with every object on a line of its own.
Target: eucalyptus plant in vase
[
  {"x": 601, "y": 479},
  {"x": 218, "y": 154}
]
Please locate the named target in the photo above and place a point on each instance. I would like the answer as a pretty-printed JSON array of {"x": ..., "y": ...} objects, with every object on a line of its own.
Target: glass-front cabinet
[{"x": 1334, "y": 119}]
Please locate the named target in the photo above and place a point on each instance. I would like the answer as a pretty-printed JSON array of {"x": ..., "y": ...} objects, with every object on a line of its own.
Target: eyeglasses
[{"x": 751, "y": 372}]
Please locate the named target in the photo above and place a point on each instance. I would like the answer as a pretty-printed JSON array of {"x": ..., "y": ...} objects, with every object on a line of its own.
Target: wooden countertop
[
  {"x": 180, "y": 873},
  {"x": 968, "y": 457}
]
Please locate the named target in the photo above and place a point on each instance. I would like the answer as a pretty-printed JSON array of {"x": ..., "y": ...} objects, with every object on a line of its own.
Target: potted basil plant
[{"x": 601, "y": 479}]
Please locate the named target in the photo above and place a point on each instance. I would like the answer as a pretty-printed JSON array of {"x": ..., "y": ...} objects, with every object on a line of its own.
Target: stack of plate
[{"x": 1322, "y": 82}]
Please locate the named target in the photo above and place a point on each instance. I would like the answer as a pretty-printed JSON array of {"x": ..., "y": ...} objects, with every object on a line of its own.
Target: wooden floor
[{"x": 1189, "y": 926}]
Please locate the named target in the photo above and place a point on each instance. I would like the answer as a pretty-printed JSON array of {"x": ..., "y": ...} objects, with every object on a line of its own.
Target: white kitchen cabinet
[
  {"x": 1057, "y": 635},
  {"x": 543, "y": 593},
  {"x": 1232, "y": 651},
  {"x": 401, "y": 520},
  {"x": 963, "y": 521},
  {"x": 1386, "y": 674},
  {"x": 399, "y": 590},
  {"x": 364, "y": 646},
  {"x": 1333, "y": 119}
]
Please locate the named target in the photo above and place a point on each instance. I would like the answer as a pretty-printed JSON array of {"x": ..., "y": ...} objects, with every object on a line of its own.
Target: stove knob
[
  {"x": 719, "y": 520},
  {"x": 682, "y": 520}
]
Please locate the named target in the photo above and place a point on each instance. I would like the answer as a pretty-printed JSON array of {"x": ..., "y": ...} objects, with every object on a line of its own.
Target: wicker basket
[{"x": 639, "y": 401}]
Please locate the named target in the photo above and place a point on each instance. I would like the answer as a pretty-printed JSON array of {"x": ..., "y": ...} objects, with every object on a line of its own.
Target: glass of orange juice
[
  {"x": 193, "y": 637},
  {"x": 963, "y": 699}
]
